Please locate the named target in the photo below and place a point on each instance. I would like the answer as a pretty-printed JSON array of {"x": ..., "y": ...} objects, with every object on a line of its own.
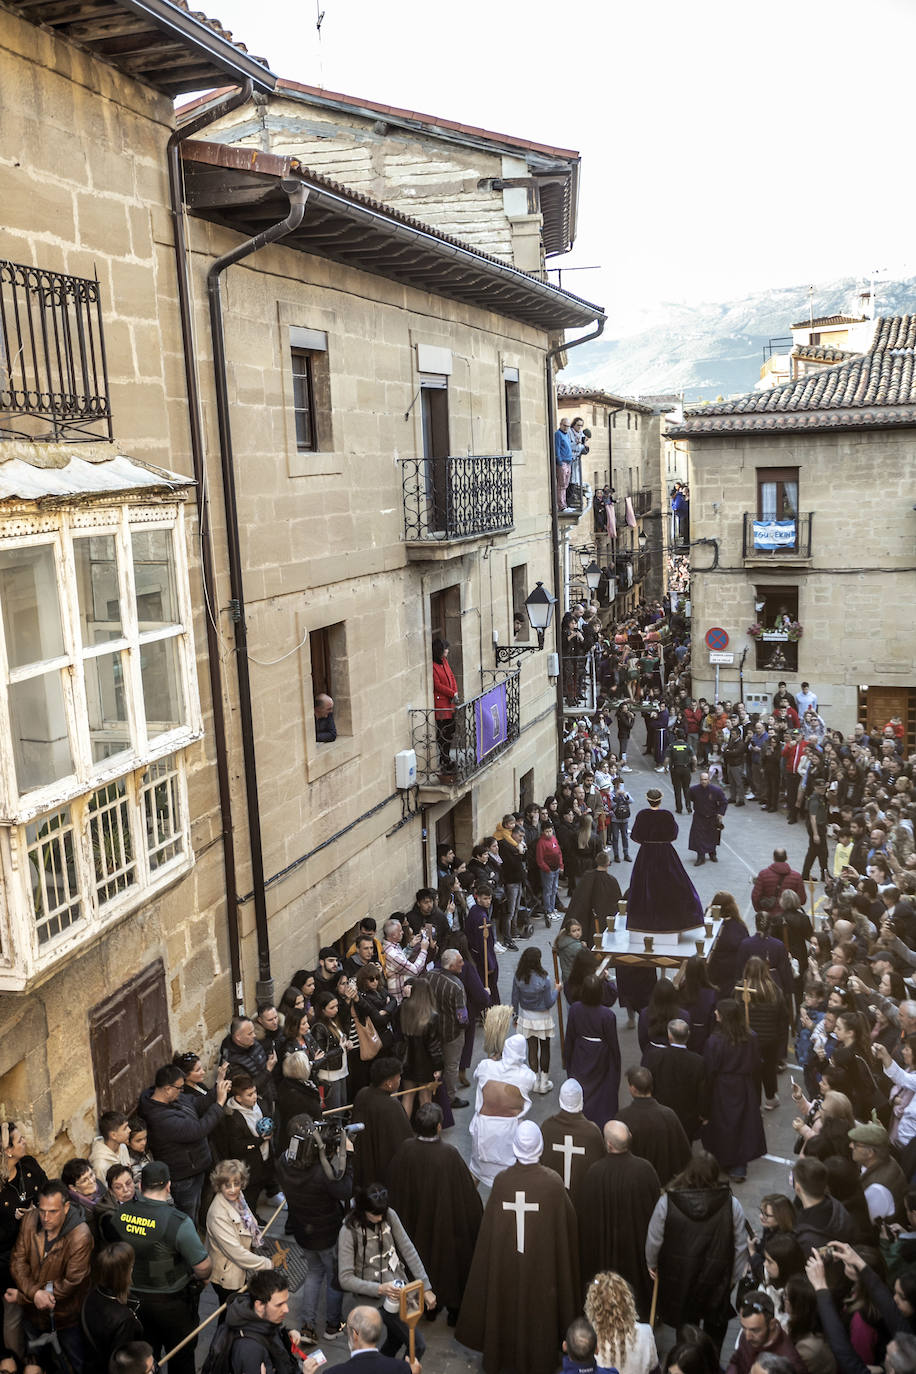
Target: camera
[{"x": 311, "y": 1136}]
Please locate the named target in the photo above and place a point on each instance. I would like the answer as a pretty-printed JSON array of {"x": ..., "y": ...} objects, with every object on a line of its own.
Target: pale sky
[{"x": 727, "y": 146}]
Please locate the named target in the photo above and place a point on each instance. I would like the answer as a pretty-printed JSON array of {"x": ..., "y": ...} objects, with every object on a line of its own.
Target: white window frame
[{"x": 105, "y": 894}]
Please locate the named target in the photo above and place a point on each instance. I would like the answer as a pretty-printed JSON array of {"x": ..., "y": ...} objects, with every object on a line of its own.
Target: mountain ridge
[{"x": 716, "y": 348}]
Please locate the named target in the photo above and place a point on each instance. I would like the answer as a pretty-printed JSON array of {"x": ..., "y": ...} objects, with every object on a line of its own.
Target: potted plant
[
  {"x": 755, "y": 630},
  {"x": 794, "y": 631}
]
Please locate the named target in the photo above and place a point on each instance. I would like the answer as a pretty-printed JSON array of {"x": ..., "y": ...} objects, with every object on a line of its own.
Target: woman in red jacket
[
  {"x": 445, "y": 694},
  {"x": 550, "y": 861}
]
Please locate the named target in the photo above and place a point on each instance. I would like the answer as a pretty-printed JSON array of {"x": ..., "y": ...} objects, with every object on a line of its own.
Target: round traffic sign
[{"x": 716, "y": 639}]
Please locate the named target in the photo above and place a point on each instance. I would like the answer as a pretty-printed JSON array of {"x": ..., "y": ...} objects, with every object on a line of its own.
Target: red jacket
[
  {"x": 794, "y": 754},
  {"x": 778, "y": 878},
  {"x": 693, "y": 720},
  {"x": 445, "y": 690},
  {"x": 548, "y": 854}
]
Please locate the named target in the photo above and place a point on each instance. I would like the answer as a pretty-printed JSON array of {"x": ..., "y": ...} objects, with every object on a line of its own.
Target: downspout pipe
[
  {"x": 298, "y": 196},
  {"x": 553, "y": 353},
  {"x": 208, "y": 573}
]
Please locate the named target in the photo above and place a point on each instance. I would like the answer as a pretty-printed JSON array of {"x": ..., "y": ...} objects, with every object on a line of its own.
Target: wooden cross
[
  {"x": 520, "y": 1207},
  {"x": 556, "y": 974},
  {"x": 747, "y": 992},
  {"x": 567, "y": 1150}
]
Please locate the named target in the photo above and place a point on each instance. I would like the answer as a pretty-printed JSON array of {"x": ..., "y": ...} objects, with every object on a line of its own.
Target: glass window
[
  {"x": 56, "y": 900},
  {"x": 154, "y": 579},
  {"x": 31, "y": 611},
  {"x": 162, "y": 695},
  {"x": 41, "y": 744},
  {"x": 303, "y": 400},
  {"x": 162, "y": 813},
  {"x": 112, "y": 843},
  {"x": 106, "y": 700},
  {"x": 98, "y": 591}
]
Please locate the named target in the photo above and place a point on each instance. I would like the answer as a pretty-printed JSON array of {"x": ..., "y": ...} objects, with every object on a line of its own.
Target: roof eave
[
  {"x": 204, "y": 41},
  {"x": 808, "y": 422}
]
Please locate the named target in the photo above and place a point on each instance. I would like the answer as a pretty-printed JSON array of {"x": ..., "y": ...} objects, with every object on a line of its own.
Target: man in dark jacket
[
  {"x": 179, "y": 1124},
  {"x": 819, "y": 1217},
  {"x": 243, "y": 1051},
  {"x": 317, "y": 1180},
  {"x": 772, "y": 881},
  {"x": 50, "y": 1269},
  {"x": 260, "y": 1343},
  {"x": 679, "y": 1078},
  {"x": 364, "y": 1331}
]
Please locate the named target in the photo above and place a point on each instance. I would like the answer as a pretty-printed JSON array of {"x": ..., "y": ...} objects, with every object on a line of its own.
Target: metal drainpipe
[
  {"x": 298, "y": 196},
  {"x": 195, "y": 421},
  {"x": 555, "y": 507}
]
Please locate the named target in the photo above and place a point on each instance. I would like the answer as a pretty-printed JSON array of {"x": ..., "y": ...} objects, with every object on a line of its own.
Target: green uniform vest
[{"x": 151, "y": 1228}]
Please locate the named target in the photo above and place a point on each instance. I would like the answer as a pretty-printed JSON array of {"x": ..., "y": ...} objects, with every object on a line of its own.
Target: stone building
[
  {"x": 207, "y": 516},
  {"x": 804, "y": 494},
  {"x": 625, "y": 453}
]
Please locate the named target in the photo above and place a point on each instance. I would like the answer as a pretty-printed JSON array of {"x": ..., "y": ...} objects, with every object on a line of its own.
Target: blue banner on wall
[
  {"x": 774, "y": 534},
  {"x": 491, "y": 719}
]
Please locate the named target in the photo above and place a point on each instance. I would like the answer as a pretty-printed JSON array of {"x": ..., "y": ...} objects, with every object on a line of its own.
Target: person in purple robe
[
  {"x": 662, "y": 899},
  {"x": 593, "y": 1052},
  {"x": 734, "y": 1131},
  {"x": 709, "y": 807}
]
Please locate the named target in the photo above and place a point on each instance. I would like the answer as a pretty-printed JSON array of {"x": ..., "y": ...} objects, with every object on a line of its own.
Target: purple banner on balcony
[
  {"x": 491, "y": 720},
  {"x": 774, "y": 534}
]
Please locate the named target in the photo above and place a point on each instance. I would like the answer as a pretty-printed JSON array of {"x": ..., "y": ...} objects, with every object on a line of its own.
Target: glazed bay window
[{"x": 98, "y": 699}]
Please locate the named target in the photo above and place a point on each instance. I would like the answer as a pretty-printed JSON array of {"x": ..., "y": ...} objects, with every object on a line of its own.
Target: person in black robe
[
  {"x": 595, "y": 897},
  {"x": 523, "y": 1288},
  {"x": 709, "y": 806},
  {"x": 385, "y": 1122},
  {"x": 572, "y": 1143},
  {"x": 662, "y": 899},
  {"x": 656, "y": 1133},
  {"x": 734, "y": 1132},
  {"x": 614, "y": 1203},
  {"x": 433, "y": 1192},
  {"x": 679, "y": 1079}
]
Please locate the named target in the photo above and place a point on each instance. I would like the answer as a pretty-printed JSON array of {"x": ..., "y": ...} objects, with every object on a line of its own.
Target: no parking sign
[{"x": 716, "y": 639}]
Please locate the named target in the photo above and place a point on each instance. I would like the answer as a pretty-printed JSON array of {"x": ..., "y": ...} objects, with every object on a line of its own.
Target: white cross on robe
[
  {"x": 567, "y": 1150},
  {"x": 520, "y": 1207}
]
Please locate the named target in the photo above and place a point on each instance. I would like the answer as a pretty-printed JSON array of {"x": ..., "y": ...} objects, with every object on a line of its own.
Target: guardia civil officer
[{"x": 170, "y": 1263}]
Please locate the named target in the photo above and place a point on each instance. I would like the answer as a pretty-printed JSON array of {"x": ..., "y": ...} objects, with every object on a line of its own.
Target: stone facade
[
  {"x": 853, "y": 590},
  {"x": 323, "y": 549}
]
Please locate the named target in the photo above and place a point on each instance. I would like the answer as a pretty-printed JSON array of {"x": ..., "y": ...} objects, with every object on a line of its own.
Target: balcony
[
  {"x": 769, "y": 541},
  {"x": 580, "y": 684},
  {"x": 450, "y": 501},
  {"x": 484, "y": 727},
  {"x": 642, "y": 501},
  {"x": 53, "y": 372}
]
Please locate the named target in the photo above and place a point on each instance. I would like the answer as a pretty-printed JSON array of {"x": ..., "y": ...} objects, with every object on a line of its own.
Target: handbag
[{"x": 369, "y": 1040}]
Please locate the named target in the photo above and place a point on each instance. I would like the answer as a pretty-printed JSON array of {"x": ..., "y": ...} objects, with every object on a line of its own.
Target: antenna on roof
[
  {"x": 319, "y": 20},
  {"x": 811, "y": 305}
]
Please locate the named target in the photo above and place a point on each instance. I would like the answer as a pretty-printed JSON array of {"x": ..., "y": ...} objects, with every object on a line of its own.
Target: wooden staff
[
  {"x": 213, "y": 1315},
  {"x": 747, "y": 993},
  {"x": 331, "y": 1111},
  {"x": 811, "y": 897},
  {"x": 654, "y": 1301},
  {"x": 485, "y": 931},
  {"x": 556, "y": 974}
]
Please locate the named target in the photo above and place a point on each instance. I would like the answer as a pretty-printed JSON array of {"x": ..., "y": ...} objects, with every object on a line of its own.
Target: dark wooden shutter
[{"x": 129, "y": 1039}]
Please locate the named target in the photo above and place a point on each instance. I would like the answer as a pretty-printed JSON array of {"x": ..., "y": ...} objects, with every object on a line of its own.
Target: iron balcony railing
[
  {"x": 770, "y": 539},
  {"x": 580, "y": 682},
  {"x": 451, "y": 751},
  {"x": 642, "y": 501},
  {"x": 53, "y": 371},
  {"x": 457, "y": 497}
]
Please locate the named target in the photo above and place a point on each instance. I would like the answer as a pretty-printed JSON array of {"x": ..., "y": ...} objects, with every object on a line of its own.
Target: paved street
[{"x": 749, "y": 839}]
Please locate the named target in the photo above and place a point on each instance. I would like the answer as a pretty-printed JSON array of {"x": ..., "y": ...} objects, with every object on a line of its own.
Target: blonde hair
[
  {"x": 611, "y": 1310},
  {"x": 496, "y": 1025},
  {"x": 838, "y": 1105},
  {"x": 227, "y": 1171}
]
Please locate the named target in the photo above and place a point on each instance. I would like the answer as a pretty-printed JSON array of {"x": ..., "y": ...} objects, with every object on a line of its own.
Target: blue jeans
[
  {"x": 186, "y": 1193},
  {"x": 620, "y": 834},
  {"x": 321, "y": 1265},
  {"x": 550, "y": 882}
]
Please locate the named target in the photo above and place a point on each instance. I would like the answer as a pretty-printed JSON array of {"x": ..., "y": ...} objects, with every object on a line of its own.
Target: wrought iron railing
[
  {"x": 580, "y": 682},
  {"x": 53, "y": 371},
  {"x": 770, "y": 539},
  {"x": 457, "y": 497},
  {"x": 451, "y": 751},
  {"x": 642, "y": 501}
]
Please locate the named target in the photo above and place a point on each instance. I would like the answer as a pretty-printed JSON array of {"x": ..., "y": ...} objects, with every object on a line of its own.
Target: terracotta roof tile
[{"x": 572, "y": 392}]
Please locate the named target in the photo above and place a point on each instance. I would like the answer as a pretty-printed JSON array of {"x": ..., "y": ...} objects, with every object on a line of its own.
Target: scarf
[
  {"x": 249, "y": 1220},
  {"x": 252, "y": 1116}
]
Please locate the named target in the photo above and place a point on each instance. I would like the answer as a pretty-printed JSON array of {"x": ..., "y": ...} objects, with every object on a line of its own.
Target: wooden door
[
  {"x": 879, "y": 704},
  {"x": 129, "y": 1039}
]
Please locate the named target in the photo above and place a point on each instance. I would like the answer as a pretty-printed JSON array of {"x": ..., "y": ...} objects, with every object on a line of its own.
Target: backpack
[
  {"x": 219, "y": 1355},
  {"x": 621, "y": 807}
]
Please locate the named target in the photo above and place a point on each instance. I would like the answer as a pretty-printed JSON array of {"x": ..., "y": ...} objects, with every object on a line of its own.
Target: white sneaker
[
  {"x": 626, "y": 768},
  {"x": 659, "y": 770},
  {"x": 500, "y": 949},
  {"x": 749, "y": 796},
  {"x": 543, "y": 1084}
]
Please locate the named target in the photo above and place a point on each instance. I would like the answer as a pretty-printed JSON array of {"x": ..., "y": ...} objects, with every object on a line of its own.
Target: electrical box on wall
[
  {"x": 757, "y": 701},
  {"x": 405, "y": 769},
  {"x": 553, "y": 665}
]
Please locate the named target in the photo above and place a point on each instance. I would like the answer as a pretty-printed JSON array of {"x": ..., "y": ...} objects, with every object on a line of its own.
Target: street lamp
[
  {"x": 539, "y": 606},
  {"x": 592, "y": 575}
]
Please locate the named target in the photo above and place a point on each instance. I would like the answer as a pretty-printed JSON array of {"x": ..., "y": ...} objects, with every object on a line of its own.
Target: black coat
[
  {"x": 697, "y": 1256},
  {"x": 107, "y": 1325},
  {"x": 315, "y": 1202},
  {"x": 253, "y": 1061},
  {"x": 178, "y": 1132},
  {"x": 680, "y": 1082}
]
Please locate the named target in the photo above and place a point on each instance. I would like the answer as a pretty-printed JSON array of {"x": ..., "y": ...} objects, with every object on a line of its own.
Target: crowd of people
[{"x": 333, "y": 1103}]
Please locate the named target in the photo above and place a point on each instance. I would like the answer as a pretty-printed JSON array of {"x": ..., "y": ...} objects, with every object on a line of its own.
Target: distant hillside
[{"x": 716, "y": 349}]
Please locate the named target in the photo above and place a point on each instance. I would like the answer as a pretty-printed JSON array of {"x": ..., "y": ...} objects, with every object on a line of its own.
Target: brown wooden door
[
  {"x": 129, "y": 1039},
  {"x": 879, "y": 704}
]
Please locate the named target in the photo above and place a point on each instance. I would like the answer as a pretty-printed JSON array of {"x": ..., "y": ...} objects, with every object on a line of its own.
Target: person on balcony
[
  {"x": 563, "y": 456},
  {"x": 445, "y": 695}
]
